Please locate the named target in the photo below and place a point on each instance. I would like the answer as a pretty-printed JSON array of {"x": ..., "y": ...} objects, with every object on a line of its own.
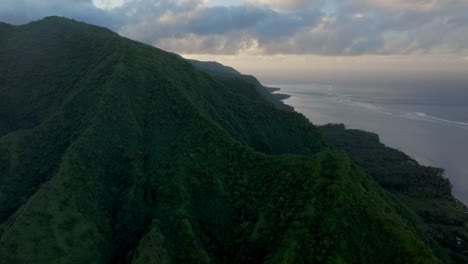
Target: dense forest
[
  {"x": 113, "y": 151},
  {"x": 419, "y": 188}
]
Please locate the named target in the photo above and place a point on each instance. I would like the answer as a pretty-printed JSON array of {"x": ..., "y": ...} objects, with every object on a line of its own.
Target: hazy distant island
[{"x": 113, "y": 151}]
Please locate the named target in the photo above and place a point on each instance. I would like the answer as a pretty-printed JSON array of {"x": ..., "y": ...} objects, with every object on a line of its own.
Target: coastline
[
  {"x": 275, "y": 92},
  {"x": 422, "y": 159},
  {"x": 424, "y": 194}
]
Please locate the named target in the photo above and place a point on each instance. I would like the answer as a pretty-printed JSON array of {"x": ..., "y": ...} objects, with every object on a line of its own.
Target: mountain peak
[{"x": 113, "y": 151}]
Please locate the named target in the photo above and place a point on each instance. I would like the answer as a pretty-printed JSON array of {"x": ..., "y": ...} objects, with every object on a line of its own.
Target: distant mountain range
[{"x": 113, "y": 151}]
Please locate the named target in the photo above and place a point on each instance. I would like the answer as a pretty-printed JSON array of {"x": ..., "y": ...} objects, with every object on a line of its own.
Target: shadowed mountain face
[
  {"x": 245, "y": 85},
  {"x": 112, "y": 151},
  {"x": 215, "y": 68}
]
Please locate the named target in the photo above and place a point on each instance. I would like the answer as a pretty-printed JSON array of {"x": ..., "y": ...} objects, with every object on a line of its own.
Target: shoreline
[
  {"x": 421, "y": 159},
  {"x": 274, "y": 91}
]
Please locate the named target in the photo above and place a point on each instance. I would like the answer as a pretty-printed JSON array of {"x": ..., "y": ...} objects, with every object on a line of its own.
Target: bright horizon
[{"x": 287, "y": 69}]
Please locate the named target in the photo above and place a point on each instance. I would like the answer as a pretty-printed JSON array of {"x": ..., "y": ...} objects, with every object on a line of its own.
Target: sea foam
[{"x": 424, "y": 115}]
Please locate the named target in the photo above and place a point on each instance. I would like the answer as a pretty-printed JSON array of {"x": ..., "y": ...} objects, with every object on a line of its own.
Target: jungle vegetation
[{"x": 113, "y": 151}]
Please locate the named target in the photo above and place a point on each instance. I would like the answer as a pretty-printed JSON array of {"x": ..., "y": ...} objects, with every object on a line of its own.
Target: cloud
[
  {"x": 413, "y": 5},
  {"x": 108, "y": 4},
  {"x": 23, "y": 11},
  {"x": 220, "y": 29},
  {"x": 284, "y": 3},
  {"x": 345, "y": 27}
]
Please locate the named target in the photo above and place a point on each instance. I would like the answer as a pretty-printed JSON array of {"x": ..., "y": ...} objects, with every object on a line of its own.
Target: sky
[{"x": 283, "y": 41}]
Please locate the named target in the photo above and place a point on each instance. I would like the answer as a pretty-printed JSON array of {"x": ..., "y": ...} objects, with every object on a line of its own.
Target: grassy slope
[{"x": 143, "y": 159}]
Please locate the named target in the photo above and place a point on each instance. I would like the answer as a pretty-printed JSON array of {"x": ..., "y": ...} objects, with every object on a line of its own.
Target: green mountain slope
[
  {"x": 215, "y": 68},
  {"x": 245, "y": 85},
  {"x": 420, "y": 188},
  {"x": 113, "y": 151}
]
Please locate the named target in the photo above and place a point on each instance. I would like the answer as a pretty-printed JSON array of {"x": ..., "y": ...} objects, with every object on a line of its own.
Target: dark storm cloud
[{"x": 270, "y": 26}]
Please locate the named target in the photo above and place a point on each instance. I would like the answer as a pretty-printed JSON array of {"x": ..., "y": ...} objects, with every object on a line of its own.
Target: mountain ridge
[
  {"x": 242, "y": 84},
  {"x": 131, "y": 155}
]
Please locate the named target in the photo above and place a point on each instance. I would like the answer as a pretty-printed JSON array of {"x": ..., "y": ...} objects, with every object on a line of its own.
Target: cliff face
[{"x": 115, "y": 151}]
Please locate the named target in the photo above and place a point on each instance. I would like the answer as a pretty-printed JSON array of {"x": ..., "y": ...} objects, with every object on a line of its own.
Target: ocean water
[{"x": 428, "y": 123}]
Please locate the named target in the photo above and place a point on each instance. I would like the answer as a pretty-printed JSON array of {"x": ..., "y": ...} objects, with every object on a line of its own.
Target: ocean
[{"x": 427, "y": 121}]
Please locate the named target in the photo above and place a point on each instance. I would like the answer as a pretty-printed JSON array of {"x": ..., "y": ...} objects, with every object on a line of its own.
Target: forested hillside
[
  {"x": 112, "y": 151},
  {"x": 245, "y": 85},
  {"x": 420, "y": 188}
]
